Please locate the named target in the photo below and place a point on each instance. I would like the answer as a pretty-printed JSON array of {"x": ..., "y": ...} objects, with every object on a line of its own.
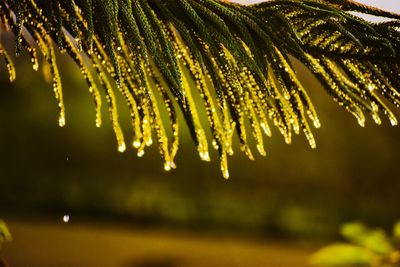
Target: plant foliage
[
  {"x": 164, "y": 55},
  {"x": 5, "y": 235},
  {"x": 368, "y": 247}
]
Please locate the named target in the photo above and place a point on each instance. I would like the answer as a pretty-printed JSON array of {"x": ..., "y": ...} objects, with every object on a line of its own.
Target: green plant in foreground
[
  {"x": 164, "y": 55},
  {"x": 367, "y": 247},
  {"x": 5, "y": 236}
]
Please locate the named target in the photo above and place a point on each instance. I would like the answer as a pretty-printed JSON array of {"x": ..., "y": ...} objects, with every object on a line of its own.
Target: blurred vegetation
[
  {"x": 5, "y": 235},
  {"x": 367, "y": 247},
  {"x": 296, "y": 192}
]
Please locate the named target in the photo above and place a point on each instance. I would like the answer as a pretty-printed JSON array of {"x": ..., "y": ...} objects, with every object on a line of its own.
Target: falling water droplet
[{"x": 66, "y": 218}]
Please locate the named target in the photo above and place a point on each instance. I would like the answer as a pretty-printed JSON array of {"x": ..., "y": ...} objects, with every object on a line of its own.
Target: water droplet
[
  {"x": 225, "y": 173},
  {"x": 136, "y": 144},
  {"x": 149, "y": 142},
  {"x": 377, "y": 119},
  {"x": 215, "y": 144},
  {"x": 140, "y": 153},
  {"x": 317, "y": 124},
  {"x": 205, "y": 156},
  {"x": 61, "y": 121},
  {"x": 371, "y": 87},
  {"x": 98, "y": 122},
  {"x": 167, "y": 166},
  {"x": 122, "y": 147},
  {"x": 66, "y": 218},
  {"x": 393, "y": 120},
  {"x": 266, "y": 129},
  {"x": 361, "y": 121}
]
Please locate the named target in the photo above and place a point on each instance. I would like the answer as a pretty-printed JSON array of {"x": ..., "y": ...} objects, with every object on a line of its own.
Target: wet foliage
[
  {"x": 233, "y": 63},
  {"x": 366, "y": 247}
]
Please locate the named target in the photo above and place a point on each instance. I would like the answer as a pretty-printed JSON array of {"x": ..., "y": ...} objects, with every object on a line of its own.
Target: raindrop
[{"x": 66, "y": 218}]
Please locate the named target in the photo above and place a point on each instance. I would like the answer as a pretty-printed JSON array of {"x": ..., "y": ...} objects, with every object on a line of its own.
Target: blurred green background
[{"x": 294, "y": 193}]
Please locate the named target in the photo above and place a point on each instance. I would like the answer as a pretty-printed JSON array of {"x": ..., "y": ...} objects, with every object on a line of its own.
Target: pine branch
[{"x": 239, "y": 57}]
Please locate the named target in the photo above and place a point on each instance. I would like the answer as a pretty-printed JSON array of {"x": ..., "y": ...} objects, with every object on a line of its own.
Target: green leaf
[
  {"x": 342, "y": 255},
  {"x": 5, "y": 235},
  {"x": 373, "y": 239}
]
